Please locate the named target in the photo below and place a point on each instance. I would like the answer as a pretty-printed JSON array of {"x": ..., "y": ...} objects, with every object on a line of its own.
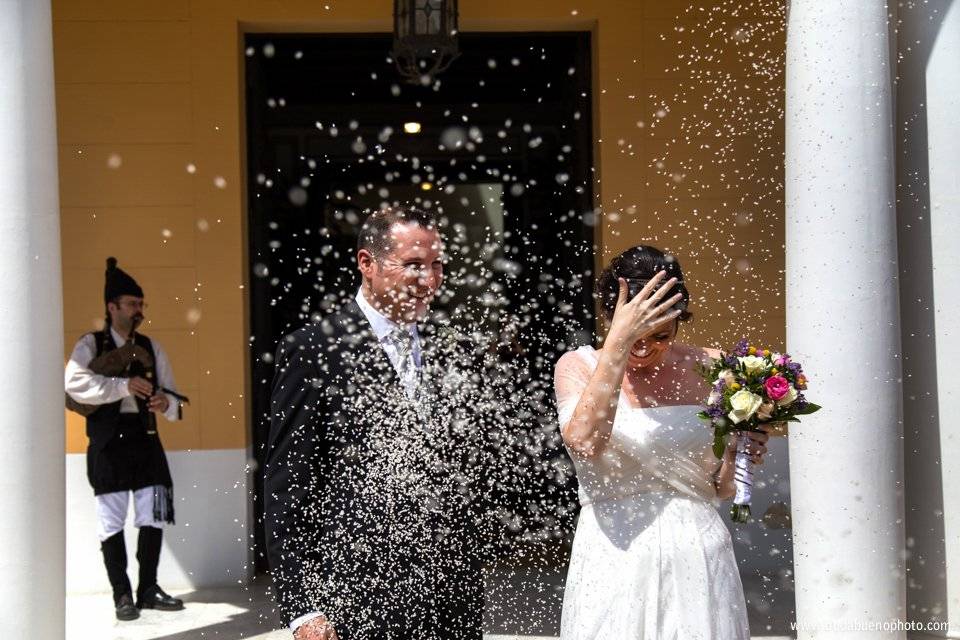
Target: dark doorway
[{"x": 504, "y": 151}]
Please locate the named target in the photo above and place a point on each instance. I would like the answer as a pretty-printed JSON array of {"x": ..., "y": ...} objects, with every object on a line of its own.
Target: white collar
[
  {"x": 118, "y": 338},
  {"x": 382, "y": 325}
]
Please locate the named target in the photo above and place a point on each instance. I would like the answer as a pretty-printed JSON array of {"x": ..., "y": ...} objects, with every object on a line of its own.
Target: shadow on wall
[
  {"x": 207, "y": 547},
  {"x": 920, "y": 26}
]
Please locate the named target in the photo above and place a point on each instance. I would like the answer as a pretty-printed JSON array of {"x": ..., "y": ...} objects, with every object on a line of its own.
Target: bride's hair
[{"x": 637, "y": 266}]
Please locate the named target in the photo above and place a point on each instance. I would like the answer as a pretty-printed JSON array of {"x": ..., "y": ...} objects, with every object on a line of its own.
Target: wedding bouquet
[{"x": 751, "y": 387}]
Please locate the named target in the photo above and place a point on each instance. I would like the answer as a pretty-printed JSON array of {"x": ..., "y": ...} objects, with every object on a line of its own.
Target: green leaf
[
  {"x": 807, "y": 410},
  {"x": 719, "y": 443}
]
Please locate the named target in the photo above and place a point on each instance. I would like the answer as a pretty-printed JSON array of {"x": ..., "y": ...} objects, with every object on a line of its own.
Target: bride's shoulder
[
  {"x": 712, "y": 353},
  {"x": 576, "y": 358},
  {"x": 695, "y": 353}
]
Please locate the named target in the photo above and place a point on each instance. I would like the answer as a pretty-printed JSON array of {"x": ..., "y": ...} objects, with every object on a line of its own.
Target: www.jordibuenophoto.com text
[{"x": 872, "y": 625}]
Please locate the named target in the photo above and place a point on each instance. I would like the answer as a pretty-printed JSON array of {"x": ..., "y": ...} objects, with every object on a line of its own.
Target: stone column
[
  {"x": 843, "y": 318},
  {"x": 928, "y": 156},
  {"x": 31, "y": 330}
]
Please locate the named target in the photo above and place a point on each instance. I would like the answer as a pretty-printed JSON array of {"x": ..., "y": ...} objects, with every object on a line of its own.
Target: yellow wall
[{"x": 145, "y": 89}]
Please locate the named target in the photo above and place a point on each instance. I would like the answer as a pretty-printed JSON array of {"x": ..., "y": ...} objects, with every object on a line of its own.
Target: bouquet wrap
[{"x": 750, "y": 387}]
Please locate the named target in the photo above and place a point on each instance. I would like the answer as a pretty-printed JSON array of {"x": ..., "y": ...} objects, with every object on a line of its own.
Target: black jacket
[{"x": 375, "y": 506}]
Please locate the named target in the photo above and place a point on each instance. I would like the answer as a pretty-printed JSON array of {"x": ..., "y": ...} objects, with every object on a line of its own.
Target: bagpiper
[{"x": 120, "y": 380}]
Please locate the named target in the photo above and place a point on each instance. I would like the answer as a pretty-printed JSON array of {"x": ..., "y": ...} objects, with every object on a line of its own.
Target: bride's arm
[
  {"x": 724, "y": 476},
  {"x": 587, "y": 431},
  {"x": 723, "y": 480}
]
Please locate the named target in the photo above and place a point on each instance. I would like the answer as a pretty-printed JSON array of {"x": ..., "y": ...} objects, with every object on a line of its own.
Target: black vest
[
  {"x": 125, "y": 453},
  {"x": 102, "y": 424}
]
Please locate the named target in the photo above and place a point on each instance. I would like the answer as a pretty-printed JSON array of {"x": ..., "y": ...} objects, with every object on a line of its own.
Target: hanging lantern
[{"x": 424, "y": 38}]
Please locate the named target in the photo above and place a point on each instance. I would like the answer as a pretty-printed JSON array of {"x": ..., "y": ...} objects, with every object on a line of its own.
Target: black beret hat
[{"x": 119, "y": 283}]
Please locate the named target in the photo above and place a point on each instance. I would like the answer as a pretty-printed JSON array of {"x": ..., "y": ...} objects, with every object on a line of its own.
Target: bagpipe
[{"x": 130, "y": 360}]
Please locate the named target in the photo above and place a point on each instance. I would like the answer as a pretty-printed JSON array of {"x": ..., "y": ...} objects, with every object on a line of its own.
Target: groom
[{"x": 371, "y": 475}]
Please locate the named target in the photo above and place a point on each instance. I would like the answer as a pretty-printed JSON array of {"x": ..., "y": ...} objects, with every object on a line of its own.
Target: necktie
[{"x": 402, "y": 341}]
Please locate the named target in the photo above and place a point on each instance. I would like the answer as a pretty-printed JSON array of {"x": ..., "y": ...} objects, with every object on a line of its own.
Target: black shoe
[
  {"x": 157, "y": 598},
  {"x": 125, "y": 609}
]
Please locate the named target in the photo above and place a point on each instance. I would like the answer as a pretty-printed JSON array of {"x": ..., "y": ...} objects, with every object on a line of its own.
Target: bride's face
[{"x": 649, "y": 350}]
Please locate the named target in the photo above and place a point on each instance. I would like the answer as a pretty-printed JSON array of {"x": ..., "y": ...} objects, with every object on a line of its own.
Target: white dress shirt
[
  {"x": 87, "y": 387},
  {"x": 382, "y": 327}
]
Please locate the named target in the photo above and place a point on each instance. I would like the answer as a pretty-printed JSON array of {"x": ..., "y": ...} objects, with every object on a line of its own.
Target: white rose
[
  {"x": 788, "y": 399},
  {"x": 744, "y": 404},
  {"x": 753, "y": 365}
]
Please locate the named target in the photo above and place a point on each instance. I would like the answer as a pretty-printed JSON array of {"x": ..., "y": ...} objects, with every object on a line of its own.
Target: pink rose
[{"x": 776, "y": 387}]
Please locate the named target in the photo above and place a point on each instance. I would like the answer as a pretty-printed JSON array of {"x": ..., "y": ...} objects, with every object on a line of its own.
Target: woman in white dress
[{"x": 652, "y": 559}]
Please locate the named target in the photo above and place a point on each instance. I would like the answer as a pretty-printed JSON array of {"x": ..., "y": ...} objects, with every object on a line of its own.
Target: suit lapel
[{"x": 364, "y": 340}]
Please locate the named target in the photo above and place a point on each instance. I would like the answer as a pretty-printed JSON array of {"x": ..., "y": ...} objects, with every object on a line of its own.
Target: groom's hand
[{"x": 316, "y": 629}]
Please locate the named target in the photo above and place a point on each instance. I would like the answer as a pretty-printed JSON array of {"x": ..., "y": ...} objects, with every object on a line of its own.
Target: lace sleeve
[{"x": 570, "y": 378}]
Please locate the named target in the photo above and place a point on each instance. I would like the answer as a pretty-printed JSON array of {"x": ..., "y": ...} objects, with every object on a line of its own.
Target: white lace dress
[{"x": 652, "y": 559}]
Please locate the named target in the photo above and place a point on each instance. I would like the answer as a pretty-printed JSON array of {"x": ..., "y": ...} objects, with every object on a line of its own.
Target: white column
[
  {"x": 928, "y": 145},
  {"x": 843, "y": 318},
  {"x": 31, "y": 330}
]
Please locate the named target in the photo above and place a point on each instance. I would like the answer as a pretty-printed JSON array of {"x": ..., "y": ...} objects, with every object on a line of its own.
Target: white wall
[
  {"x": 208, "y": 546},
  {"x": 943, "y": 125},
  {"x": 928, "y": 101}
]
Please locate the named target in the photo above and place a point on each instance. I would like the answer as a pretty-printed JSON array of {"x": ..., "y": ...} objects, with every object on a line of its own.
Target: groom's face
[{"x": 402, "y": 282}]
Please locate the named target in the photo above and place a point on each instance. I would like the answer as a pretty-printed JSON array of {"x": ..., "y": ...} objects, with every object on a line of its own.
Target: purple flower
[{"x": 742, "y": 348}]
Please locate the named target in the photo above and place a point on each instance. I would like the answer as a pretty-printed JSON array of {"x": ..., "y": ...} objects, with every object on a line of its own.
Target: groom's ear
[{"x": 365, "y": 263}]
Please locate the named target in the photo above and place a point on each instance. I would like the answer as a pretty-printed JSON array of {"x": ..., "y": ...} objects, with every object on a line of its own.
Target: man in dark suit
[{"x": 374, "y": 477}]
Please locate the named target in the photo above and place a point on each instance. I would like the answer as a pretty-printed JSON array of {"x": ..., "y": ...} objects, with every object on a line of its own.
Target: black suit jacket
[{"x": 374, "y": 505}]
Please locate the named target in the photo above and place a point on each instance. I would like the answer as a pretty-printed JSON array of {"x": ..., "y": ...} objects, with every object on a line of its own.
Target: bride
[{"x": 651, "y": 557}]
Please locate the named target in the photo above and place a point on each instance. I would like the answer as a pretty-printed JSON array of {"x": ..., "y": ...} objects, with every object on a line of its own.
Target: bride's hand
[
  {"x": 757, "y": 447},
  {"x": 636, "y": 318}
]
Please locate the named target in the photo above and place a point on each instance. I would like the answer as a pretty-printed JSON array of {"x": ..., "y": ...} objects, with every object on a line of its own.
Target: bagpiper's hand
[
  {"x": 140, "y": 387},
  {"x": 159, "y": 403},
  {"x": 316, "y": 629}
]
